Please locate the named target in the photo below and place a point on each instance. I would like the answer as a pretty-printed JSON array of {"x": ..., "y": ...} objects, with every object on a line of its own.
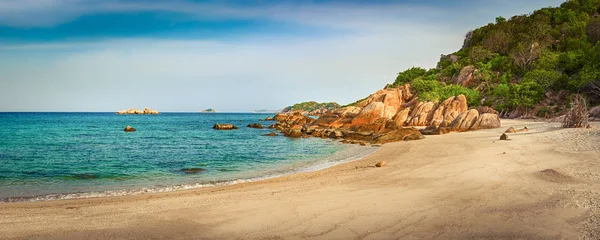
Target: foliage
[
  {"x": 409, "y": 75},
  {"x": 311, "y": 106},
  {"x": 432, "y": 90}
]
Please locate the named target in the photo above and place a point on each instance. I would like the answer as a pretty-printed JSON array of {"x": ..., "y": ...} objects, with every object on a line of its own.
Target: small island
[
  {"x": 210, "y": 110},
  {"x": 137, "y": 111}
]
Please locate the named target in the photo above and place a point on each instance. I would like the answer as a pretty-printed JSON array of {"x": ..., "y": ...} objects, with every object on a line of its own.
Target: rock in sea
[
  {"x": 129, "y": 129},
  {"x": 225, "y": 126},
  {"x": 192, "y": 170}
]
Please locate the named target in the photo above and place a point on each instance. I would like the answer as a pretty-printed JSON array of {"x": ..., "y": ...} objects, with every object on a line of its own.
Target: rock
[
  {"x": 594, "y": 112},
  {"x": 449, "y": 110},
  {"x": 504, "y": 137},
  {"x": 192, "y": 170},
  {"x": 335, "y": 134},
  {"x": 369, "y": 114},
  {"x": 487, "y": 121},
  {"x": 464, "y": 121},
  {"x": 467, "y": 77},
  {"x": 349, "y": 111},
  {"x": 293, "y": 133},
  {"x": 269, "y": 118},
  {"x": 136, "y": 111},
  {"x": 422, "y": 114},
  {"x": 401, "y": 117},
  {"x": 271, "y": 134},
  {"x": 513, "y": 130},
  {"x": 402, "y": 134},
  {"x": 129, "y": 129},
  {"x": 225, "y": 126},
  {"x": 430, "y": 130},
  {"x": 362, "y": 143},
  {"x": 260, "y": 119},
  {"x": 272, "y": 126},
  {"x": 255, "y": 125},
  {"x": 484, "y": 109},
  {"x": 380, "y": 164}
]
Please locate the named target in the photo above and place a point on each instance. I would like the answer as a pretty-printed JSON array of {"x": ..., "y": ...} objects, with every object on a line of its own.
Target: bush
[
  {"x": 525, "y": 94},
  {"x": 432, "y": 90},
  {"x": 408, "y": 75},
  {"x": 545, "y": 78}
]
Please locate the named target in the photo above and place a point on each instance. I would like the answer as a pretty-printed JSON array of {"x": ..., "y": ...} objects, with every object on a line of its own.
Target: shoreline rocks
[
  {"x": 136, "y": 111},
  {"x": 255, "y": 125},
  {"x": 225, "y": 126}
]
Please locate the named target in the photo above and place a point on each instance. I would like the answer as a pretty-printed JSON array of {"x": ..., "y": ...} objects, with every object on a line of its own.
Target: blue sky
[{"x": 178, "y": 55}]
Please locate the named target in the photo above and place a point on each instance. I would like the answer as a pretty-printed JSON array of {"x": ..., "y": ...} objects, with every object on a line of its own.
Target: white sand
[{"x": 456, "y": 186}]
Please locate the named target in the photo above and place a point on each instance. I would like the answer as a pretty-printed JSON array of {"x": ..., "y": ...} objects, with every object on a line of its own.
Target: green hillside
[
  {"x": 520, "y": 62},
  {"x": 311, "y": 106}
]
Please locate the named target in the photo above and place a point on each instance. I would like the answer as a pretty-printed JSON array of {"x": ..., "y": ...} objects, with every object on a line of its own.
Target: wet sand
[{"x": 542, "y": 184}]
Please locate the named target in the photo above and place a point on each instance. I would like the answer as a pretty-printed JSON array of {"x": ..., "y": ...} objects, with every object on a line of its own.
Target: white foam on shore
[{"x": 352, "y": 153}]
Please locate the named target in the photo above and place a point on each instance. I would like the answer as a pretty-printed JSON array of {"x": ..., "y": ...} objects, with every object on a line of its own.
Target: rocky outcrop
[
  {"x": 129, "y": 129},
  {"x": 271, "y": 134},
  {"x": 384, "y": 116},
  {"x": 225, "y": 126},
  {"x": 136, "y": 111},
  {"x": 467, "y": 77},
  {"x": 255, "y": 125}
]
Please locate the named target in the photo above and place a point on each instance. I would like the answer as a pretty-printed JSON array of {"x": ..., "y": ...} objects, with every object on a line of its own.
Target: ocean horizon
[{"x": 64, "y": 155}]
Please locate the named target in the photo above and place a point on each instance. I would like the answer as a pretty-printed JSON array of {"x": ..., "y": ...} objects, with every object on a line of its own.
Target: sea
[{"x": 51, "y": 156}]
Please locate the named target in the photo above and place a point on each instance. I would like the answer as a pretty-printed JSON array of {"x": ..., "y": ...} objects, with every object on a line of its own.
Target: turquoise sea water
[{"x": 75, "y": 155}]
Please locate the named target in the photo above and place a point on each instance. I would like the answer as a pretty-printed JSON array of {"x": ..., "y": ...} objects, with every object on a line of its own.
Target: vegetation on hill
[
  {"x": 519, "y": 62},
  {"x": 311, "y": 106}
]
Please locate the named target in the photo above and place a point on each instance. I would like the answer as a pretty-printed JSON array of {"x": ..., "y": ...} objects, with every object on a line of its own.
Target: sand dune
[{"x": 542, "y": 184}]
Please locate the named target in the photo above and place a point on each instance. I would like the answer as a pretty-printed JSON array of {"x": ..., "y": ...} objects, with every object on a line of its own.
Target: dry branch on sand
[{"x": 577, "y": 117}]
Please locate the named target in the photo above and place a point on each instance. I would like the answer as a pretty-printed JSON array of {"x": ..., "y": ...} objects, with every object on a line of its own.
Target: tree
[
  {"x": 593, "y": 29},
  {"x": 408, "y": 75},
  {"x": 545, "y": 78},
  {"x": 524, "y": 55}
]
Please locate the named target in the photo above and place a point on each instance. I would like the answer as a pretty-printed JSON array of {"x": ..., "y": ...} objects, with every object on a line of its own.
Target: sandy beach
[{"x": 542, "y": 184}]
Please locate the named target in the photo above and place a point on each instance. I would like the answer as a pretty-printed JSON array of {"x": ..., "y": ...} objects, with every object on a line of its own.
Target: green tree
[{"x": 408, "y": 75}]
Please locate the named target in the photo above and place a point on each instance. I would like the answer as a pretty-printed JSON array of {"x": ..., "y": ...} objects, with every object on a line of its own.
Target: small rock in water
[
  {"x": 192, "y": 170},
  {"x": 85, "y": 176},
  {"x": 271, "y": 134},
  {"x": 380, "y": 164},
  {"x": 129, "y": 129},
  {"x": 504, "y": 137}
]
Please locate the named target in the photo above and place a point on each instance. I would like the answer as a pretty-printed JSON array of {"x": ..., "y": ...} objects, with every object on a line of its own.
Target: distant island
[
  {"x": 210, "y": 110},
  {"x": 312, "y": 108},
  {"x": 137, "y": 111}
]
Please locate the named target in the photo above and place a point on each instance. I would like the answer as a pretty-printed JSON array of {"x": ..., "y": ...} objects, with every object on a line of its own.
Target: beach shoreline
[{"x": 542, "y": 184}]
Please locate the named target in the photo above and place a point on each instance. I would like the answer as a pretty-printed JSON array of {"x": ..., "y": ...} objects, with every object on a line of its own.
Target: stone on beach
[
  {"x": 380, "y": 164},
  {"x": 504, "y": 137}
]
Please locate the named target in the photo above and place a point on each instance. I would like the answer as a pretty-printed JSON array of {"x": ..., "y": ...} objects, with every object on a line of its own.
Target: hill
[
  {"x": 523, "y": 66},
  {"x": 312, "y": 107}
]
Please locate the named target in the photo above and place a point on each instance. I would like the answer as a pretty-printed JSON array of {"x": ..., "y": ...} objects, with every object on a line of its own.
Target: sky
[{"x": 233, "y": 56}]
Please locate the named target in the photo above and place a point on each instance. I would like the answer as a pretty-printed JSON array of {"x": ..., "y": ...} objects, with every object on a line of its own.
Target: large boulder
[
  {"x": 487, "y": 121},
  {"x": 401, "y": 117},
  {"x": 225, "y": 126},
  {"x": 402, "y": 134},
  {"x": 349, "y": 111},
  {"x": 467, "y": 77},
  {"x": 464, "y": 121},
  {"x": 369, "y": 114},
  {"x": 449, "y": 110},
  {"x": 422, "y": 114}
]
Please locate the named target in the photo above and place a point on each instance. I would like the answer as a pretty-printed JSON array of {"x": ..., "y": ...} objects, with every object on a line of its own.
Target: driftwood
[{"x": 577, "y": 117}]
